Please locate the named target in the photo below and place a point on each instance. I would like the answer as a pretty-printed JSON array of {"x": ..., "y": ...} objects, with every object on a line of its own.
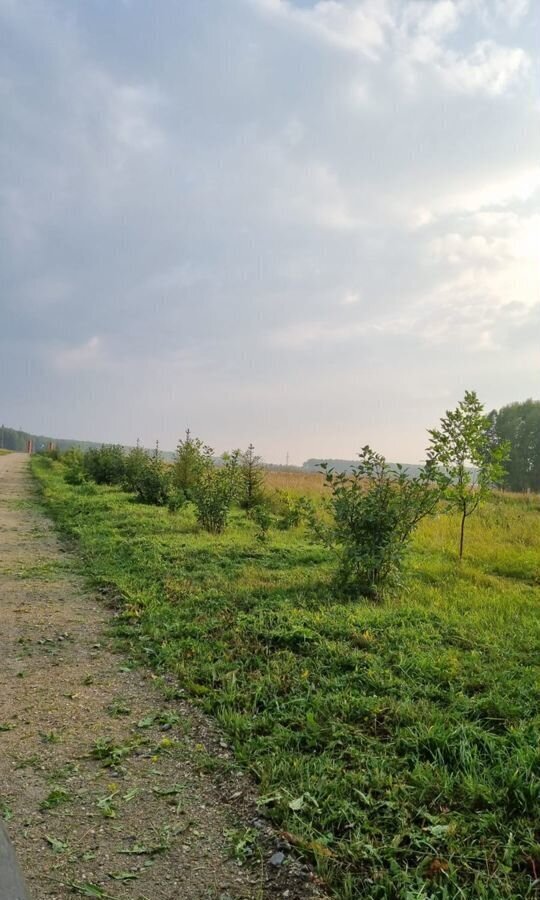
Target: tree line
[{"x": 519, "y": 424}]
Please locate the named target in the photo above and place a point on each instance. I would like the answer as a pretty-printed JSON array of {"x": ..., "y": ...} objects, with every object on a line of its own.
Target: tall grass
[
  {"x": 397, "y": 744},
  {"x": 310, "y": 484}
]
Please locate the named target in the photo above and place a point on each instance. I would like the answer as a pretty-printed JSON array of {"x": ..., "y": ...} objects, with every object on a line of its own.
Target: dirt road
[{"x": 107, "y": 788}]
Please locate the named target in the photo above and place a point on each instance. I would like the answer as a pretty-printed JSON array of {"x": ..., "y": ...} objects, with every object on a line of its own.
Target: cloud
[
  {"x": 272, "y": 210},
  {"x": 86, "y": 356},
  {"x": 488, "y": 68},
  {"x": 359, "y": 27}
]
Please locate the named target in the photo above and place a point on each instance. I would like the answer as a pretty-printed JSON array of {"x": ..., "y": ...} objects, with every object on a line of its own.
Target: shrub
[
  {"x": 214, "y": 492},
  {"x": 293, "y": 510},
  {"x": 153, "y": 482},
  {"x": 51, "y": 453},
  {"x": 135, "y": 464},
  {"x": 251, "y": 480},
  {"x": 176, "y": 499},
  {"x": 264, "y": 519},
  {"x": 374, "y": 510},
  {"x": 73, "y": 460},
  {"x": 106, "y": 464},
  {"x": 193, "y": 457}
]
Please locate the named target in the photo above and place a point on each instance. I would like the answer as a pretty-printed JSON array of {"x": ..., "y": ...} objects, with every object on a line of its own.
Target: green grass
[
  {"x": 4, "y": 452},
  {"x": 398, "y": 744}
]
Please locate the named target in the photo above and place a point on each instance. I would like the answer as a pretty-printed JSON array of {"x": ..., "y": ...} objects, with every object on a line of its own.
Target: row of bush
[
  {"x": 213, "y": 486},
  {"x": 370, "y": 512}
]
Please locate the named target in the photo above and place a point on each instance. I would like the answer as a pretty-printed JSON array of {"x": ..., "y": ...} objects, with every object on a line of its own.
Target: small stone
[{"x": 277, "y": 859}]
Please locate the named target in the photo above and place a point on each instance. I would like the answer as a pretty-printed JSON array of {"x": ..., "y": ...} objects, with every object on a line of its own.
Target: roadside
[{"x": 107, "y": 788}]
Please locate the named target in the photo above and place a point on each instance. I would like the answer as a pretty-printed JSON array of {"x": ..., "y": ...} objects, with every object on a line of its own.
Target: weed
[
  {"x": 242, "y": 843},
  {"x": 56, "y": 845},
  {"x": 6, "y": 813},
  {"x": 108, "y": 753},
  {"x": 50, "y": 737},
  {"x": 118, "y": 708},
  {"x": 107, "y": 806},
  {"x": 55, "y": 798}
]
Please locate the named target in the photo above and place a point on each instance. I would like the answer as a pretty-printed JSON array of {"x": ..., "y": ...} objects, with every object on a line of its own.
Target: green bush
[
  {"x": 214, "y": 492},
  {"x": 263, "y": 518},
  {"x": 176, "y": 499},
  {"x": 374, "y": 510},
  {"x": 106, "y": 464},
  {"x": 153, "y": 482},
  {"x": 73, "y": 461},
  {"x": 293, "y": 511},
  {"x": 135, "y": 464},
  {"x": 193, "y": 458}
]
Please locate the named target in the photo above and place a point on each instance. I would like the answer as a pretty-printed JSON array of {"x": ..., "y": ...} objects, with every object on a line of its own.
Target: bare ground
[{"x": 107, "y": 788}]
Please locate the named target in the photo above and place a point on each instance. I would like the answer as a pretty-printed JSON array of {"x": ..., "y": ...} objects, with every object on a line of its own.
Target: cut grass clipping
[{"x": 396, "y": 744}]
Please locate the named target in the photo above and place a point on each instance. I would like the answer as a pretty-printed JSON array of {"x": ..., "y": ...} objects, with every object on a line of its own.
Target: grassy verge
[
  {"x": 4, "y": 452},
  {"x": 397, "y": 744}
]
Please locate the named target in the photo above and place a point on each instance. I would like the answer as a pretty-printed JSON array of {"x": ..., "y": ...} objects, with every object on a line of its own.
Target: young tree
[
  {"x": 152, "y": 483},
  {"x": 374, "y": 509},
  {"x": 252, "y": 480},
  {"x": 467, "y": 457},
  {"x": 215, "y": 490},
  {"x": 135, "y": 464},
  {"x": 193, "y": 457},
  {"x": 106, "y": 464}
]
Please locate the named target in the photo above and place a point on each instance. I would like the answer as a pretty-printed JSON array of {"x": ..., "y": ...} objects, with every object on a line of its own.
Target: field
[
  {"x": 309, "y": 484},
  {"x": 396, "y": 744}
]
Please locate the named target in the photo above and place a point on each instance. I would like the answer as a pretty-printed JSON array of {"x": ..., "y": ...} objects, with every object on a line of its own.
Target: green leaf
[
  {"x": 55, "y": 844},
  {"x": 167, "y": 792},
  {"x": 123, "y": 876}
]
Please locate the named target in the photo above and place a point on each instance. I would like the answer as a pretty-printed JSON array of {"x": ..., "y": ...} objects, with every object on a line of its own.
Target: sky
[{"x": 309, "y": 225}]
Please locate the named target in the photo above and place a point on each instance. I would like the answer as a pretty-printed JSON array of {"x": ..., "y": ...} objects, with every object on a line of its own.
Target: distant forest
[
  {"x": 518, "y": 423},
  {"x": 16, "y": 439}
]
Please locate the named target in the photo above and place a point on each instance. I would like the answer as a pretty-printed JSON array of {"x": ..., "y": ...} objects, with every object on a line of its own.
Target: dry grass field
[{"x": 306, "y": 483}]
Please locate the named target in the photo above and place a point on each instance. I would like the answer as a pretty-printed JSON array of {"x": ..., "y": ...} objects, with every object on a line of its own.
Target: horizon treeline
[{"x": 518, "y": 423}]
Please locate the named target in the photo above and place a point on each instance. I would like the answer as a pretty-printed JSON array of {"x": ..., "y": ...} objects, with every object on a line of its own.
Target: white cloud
[
  {"x": 487, "y": 69},
  {"x": 359, "y": 27},
  {"x": 350, "y": 298},
  {"x": 84, "y": 356},
  {"x": 310, "y": 193}
]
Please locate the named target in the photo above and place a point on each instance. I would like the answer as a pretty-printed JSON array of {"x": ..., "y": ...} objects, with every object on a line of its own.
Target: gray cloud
[{"x": 309, "y": 225}]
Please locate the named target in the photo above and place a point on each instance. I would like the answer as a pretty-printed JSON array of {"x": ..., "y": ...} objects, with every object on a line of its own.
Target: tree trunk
[{"x": 462, "y": 534}]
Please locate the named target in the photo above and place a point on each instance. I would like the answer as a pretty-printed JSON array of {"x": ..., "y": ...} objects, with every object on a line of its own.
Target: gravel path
[{"x": 107, "y": 788}]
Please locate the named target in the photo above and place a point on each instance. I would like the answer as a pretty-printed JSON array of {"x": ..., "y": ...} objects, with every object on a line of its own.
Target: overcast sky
[{"x": 310, "y": 225}]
